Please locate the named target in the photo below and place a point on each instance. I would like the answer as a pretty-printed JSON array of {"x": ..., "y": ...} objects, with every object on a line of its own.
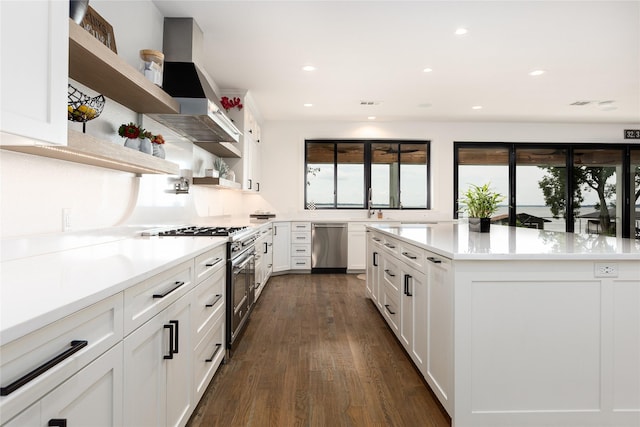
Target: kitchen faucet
[{"x": 370, "y": 210}]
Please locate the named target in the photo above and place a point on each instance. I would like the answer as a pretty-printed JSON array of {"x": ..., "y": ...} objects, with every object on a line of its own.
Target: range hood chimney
[{"x": 201, "y": 118}]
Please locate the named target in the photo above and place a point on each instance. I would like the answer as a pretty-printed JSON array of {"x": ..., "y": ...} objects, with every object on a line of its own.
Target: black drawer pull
[
  {"x": 170, "y": 355},
  {"x": 406, "y": 285},
  {"x": 434, "y": 260},
  {"x": 389, "y": 273},
  {"x": 217, "y": 260},
  {"x": 76, "y": 345},
  {"x": 389, "y": 245},
  {"x": 57, "y": 422},
  {"x": 377, "y": 239},
  {"x": 408, "y": 255},
  {"x": 266, "y": 247},
  {"x": 213, "y": 356},
  {"x": 175, "y": 322},
  {"x": 218, "y": 296},
  {"x": 169, "y": 291},
  {"x": 388, "y": 309},
  {"x": 375, "y": 259}
]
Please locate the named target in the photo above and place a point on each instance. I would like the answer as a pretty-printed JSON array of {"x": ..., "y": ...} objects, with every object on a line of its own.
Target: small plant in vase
[
  {"x": 137, "y": 137},
  {"x": 480, "y": 202},
  {"x": 157, "y": 142},
  {"x": 229, "y": 103}
]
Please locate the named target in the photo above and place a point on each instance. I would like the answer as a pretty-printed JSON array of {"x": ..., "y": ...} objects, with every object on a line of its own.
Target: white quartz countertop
[
  {"x": 37, "y": 290},
  {"x": 453, "y": 240}
]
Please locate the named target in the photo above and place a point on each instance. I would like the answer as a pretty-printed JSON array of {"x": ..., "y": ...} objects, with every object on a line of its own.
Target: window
[
  {"x": 560, "y": 187},
  {"x": 339, "y": 174}
]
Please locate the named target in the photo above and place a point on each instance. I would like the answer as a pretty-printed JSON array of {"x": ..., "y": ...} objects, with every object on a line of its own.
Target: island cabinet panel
[{"x": 546, "y": 343}]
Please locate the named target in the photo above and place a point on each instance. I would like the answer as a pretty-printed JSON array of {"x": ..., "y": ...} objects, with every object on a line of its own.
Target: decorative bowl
[{"x": 81, "y": 107}]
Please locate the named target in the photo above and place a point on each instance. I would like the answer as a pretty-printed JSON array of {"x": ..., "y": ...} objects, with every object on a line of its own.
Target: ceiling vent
[{"x": 370, "y": 102}]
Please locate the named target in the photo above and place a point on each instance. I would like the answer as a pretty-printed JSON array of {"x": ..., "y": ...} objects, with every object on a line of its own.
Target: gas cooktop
[{"x": 192, "y": 231}]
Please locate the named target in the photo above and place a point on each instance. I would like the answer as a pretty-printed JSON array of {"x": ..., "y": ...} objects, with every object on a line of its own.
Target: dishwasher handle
[{"x": 329, "y": 225}]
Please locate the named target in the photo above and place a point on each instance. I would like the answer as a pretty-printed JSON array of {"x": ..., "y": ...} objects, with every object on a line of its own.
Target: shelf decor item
[
  {"x": 221, "y": 167},
  {"x": 480, "y": 202},
  {"x": 99, "y": 28},
  {"x": 229, "y": 103},
  {"x": 82, "y": 108},
  {"x": 137, "y": 138},
  {"x": 157, "y": 144}
]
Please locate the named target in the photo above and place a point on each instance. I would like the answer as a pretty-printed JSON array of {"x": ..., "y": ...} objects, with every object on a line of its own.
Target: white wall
[{"x": 284, "y": 145}]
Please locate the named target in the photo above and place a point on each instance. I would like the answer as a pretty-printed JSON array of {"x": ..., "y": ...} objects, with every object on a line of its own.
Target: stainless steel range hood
[{"x": 201, "y": 119}]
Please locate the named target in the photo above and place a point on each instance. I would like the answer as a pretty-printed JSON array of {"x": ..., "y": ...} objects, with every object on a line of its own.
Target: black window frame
[
  {"x": 367, "y": 143},
  {"x": 570, "y": 148}
]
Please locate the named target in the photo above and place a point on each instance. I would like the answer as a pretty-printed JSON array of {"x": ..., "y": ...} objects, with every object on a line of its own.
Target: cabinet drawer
[
  {"x": 300, "y": 226},
  {"x": 298, "y": 250},
  {"x": 391, "y": 245},
  {"x": 210, "y": 261},
  {"x": 150, "y": 297},
  {"x": 391, "y": 306},
  {"x": 209, "y": 297},
  {"x": 207, "y": 356},
  {"x": 412, "y": 255},
  {"x": 300, "y": 237},
  {"x": 391, "y": 273},
  {"x": 100, "y": 325},
  {"x": 300, "y": 263}
]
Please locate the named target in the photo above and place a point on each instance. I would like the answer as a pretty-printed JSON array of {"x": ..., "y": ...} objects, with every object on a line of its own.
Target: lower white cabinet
[
  {"x": 356, "y": 247},
  {"x": 157, "y": 362},
  {"x": 91, "y": 397},
  {"x": 281, "y": 246}
]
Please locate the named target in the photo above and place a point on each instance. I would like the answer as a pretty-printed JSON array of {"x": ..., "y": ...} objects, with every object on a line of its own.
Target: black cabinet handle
[
  {"x": 376, "y": 239},
  {"x": 434, "y": 260},
  {"x": 406, "y": 285},
  {"x": 76, "y": 345},
  {"x": 388, "y": 309},
  {"x": 169, "y": 291},
  {"x": 389, "y": 245},
  {"x": 216, "y": 261},
  {"x": 375, "y": 259},
  {"x": 250, "y": 184},
  {"x": 176, "y": 340},
  {"x": 218, "y": 296},
  {"x": 213, "y": 356},
  {"x": 408, "y": 255},
  {"x": 266, "y": 247},
  {"x": 389, "y": 273},
  {"x": 57, "y": 422},
  {"x": 170, "y": 355},
  {"x": 257, "y": 186}
]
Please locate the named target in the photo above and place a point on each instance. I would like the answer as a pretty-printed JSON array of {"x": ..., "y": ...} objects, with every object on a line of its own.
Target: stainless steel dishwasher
[{"x": 329, "y": 247}]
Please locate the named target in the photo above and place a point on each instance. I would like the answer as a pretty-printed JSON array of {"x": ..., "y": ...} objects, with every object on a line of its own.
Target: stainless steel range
[{"x": 240, "y": 285}]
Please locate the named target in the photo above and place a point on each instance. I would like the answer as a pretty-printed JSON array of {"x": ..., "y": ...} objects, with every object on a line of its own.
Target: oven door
[{"x": 240, "y": 297}]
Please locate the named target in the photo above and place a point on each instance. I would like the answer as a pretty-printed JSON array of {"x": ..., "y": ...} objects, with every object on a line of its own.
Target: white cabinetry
[
  {"x": 281, "y": 246},
  {"x": 247, "y": 168},
  {"x": 374, "y": 268},
  {"x": 157, "y": 354},
  {"x": 34, "y": 71},
  {"x": 301, "y": 246},
  {"x": 356, "y": 254},
  {"x": 264, "y": 257},
  {"x": 27, "y": 374}
]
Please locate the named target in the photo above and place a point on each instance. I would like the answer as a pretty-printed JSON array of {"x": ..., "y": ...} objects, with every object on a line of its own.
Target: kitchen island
[{"x": 516, "y": 327}]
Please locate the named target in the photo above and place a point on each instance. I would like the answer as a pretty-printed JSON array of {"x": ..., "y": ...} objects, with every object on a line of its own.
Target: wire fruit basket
[{"x": 82, "y": 108}]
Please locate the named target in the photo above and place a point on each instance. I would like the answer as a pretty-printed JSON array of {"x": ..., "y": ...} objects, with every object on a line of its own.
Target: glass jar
[{"x": 152, "y": 65}]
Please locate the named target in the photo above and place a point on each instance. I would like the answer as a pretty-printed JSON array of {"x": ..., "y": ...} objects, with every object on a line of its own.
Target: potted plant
[
  {"x": 480, "y": 202},
  {"x": 136, "y": 136}
]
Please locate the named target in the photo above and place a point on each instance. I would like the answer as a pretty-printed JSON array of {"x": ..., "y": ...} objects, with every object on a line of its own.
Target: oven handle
[{"x": 241, "y": 263}]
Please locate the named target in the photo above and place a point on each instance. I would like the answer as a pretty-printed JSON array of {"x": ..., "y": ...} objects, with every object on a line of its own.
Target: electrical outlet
[
  {"x": 66, "y": 219},
  {"x": 606, "y": 270}
]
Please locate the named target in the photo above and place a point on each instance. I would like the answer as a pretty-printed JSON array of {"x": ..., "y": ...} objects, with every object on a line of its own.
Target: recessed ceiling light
[
  {"x": 461, "y": 31},
  {"x": 427, "y": 70},
  {"x": 371, "y": 117},
  {"x": 477, "y": 107},
  {"x": 308, "y": 105},
  {"x": 535, "y": 73},
  {"x": 308, "y": 68}
]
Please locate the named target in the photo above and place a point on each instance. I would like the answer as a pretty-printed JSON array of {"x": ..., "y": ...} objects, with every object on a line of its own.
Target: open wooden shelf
[
  {"x": 96, "y": 66},
  {"x": 89, "y": 150},
  {"x": 217, "y": 182}
]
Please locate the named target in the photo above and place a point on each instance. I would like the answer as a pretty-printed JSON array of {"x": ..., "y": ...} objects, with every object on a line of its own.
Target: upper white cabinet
[
  {"x": 34, "y": 68},
  {"x": 247, "y": 168}
]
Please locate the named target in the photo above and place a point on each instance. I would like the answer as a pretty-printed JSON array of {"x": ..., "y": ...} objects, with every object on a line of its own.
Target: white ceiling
[{"x": 377, "y": 50}]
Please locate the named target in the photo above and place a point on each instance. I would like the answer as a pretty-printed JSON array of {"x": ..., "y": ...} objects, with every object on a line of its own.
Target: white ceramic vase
[
  {"x": 145, "y": 145},
  {"x": 158, "y": 150},
  {"x": 133, "y": 143}
]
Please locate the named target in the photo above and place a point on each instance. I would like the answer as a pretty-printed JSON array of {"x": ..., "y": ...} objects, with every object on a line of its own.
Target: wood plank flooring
[{"x": 317, "y": 353}]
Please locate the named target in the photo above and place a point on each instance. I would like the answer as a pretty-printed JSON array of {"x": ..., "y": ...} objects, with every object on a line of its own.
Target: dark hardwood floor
[{"x": 317, "y": 353}]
